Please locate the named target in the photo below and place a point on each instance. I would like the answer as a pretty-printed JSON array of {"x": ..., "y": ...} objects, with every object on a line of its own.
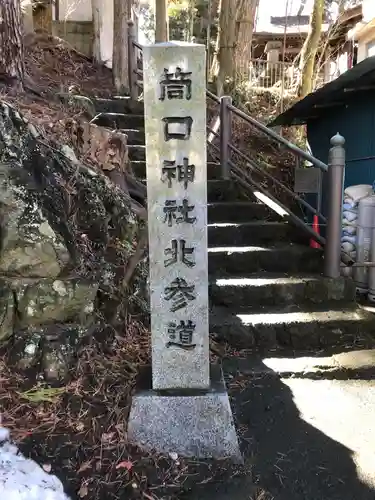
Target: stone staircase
[{"x": 266, "y": 291}]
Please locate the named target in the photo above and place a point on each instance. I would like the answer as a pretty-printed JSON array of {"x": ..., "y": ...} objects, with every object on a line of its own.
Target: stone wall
[{"x": 78, "y": 33}]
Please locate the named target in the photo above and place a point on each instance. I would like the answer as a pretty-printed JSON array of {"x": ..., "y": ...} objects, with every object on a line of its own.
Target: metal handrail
[
  {"x": 229, "y": 169},
  {"x": 254, "y": 166},
  {"x": 213, "y": 96},
  {"x": 273, "y": 135}
]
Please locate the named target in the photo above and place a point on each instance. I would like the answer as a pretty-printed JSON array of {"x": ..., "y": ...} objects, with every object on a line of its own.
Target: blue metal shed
[{"x": 347, "y": 106}]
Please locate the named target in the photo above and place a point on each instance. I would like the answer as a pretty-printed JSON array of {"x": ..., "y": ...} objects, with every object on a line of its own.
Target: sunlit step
[
  {"x": 238, "y": 250},
  {"x": 246, "y": 259},
  {"x": 300, "y": 317},
  {"x": 265, "y": 281},
  {"x": 257, "y": 233},
  {"x": 291, "y": 328},
  {"x": 270, "y": 289}
]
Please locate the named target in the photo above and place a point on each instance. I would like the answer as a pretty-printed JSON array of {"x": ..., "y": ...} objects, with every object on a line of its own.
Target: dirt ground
[{"x": 78, "y": 432}]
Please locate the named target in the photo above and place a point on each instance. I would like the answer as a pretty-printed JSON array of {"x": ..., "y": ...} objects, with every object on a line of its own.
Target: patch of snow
[{"x": 23, "y": 479}]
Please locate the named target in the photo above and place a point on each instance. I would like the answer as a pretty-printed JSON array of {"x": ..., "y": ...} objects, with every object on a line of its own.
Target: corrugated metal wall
[{"x": 356, "y": 122}]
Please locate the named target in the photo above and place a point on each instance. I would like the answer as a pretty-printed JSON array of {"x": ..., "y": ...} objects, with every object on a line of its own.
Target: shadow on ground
[{"x": 292, "y": 460}]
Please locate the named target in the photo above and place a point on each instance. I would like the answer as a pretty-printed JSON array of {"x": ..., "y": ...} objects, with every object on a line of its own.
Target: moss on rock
[{"x": 67, "y": 235}]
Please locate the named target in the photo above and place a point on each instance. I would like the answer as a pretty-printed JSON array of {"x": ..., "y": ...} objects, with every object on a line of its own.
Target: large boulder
[{"x": 67, "y": 234}]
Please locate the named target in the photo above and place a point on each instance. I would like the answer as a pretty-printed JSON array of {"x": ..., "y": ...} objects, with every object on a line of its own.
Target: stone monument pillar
[{"x": 186, "y": 408}]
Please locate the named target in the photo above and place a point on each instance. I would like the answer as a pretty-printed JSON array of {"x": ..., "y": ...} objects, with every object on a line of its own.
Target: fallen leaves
[
  {"x": 85, "y": 466},
  {"x": 126, "y": 464},
  {"x": 107, "y": 437},
  {"x": 83, "y": 491}
]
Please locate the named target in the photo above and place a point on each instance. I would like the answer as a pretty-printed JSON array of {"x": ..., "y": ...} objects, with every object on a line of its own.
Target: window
[{"x": 370, "y": 49}]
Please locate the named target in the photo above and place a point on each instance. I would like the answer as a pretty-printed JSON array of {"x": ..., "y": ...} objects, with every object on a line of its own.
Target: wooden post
[
  {"x": 161, "y": 21},
  {"x": 225, "y": 135},
  {"x": 132, "y": 62}
]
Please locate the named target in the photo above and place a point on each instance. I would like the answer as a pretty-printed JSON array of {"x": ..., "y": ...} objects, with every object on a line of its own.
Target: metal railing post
[
  {"x": 336, "y": 170},
  {"x": 225, "y": 135},
  {"x": 132, "y": 62}
]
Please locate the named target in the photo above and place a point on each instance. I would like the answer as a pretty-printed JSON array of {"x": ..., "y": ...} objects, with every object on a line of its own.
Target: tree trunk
[
  {"x": 309, "y": 50},
  {"x": 121, "y": 16},
  {"x": 27, "y": 18},
  {"x": 223, "y": 64},
  {"x": 11, "y": 44},
  {"x": 161, "y": 21},
  {"x": 191, "y": 19},
  {"x": 97, "y": 25},
  {"x": 212, "y": 13},
  {"x": 246, "y": 11}
]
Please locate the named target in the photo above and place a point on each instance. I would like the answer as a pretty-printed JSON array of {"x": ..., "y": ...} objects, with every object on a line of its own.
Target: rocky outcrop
[{"x": 67, "y": 239}]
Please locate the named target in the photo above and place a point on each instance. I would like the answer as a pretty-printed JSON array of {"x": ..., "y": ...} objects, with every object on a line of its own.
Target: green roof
[{"x": 358, "y": 79}]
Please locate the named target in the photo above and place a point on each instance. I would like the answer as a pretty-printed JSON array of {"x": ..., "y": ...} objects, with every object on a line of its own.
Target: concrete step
[
  {"x": 240, "y": 211},
  {"x": 253, "y": 233},
  {"x": 293, "y": 327},
  {"x": 135, "y": 137},
  {"x": 119, "y": 104},
  {"x": 352, "y": 364},
  {"x": 275, "y": 289},
  {"x": 139, "y": 167},
  {"x": 283, "y": 258},
  {"x": 217, "y": 190},
  {"x": 119, "y": 120},
  {"x": 137, "y": 152}
]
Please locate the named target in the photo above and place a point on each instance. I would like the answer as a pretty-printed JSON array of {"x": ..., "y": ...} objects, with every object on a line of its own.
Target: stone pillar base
[{"x": 191, "y": 423}]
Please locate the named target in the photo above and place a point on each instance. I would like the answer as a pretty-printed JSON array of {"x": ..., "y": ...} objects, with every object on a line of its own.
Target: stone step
[
  {"x": 118, "y": 104},
  {"x": 139, "y": 167},
  {"x": 135, "y": 137},
  {"x": 220, "y": 190},
  {"x": 271, "y": 289},
  {"x": 289, "y": 258},
  {"x": 356, "y": 363},
  {"x": 240, "y": 211},
  {"x": 250, "y": 233},
  {"x": 137, "y": 152},
  {"x": 119, "y": 120},
  {"x": 294, "y": 327}
]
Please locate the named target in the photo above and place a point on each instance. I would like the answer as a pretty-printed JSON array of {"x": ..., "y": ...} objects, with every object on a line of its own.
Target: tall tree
[
  {"x": 12, "y": 67},
  {"x": 191, "y": 8},
  {"x": 223, "y": 64},
  {"x": 310, "y": 48},
  {"x": 121, "y": 15},
  {"x": 27, "y": 17},
  {"x": 97, "y": 25},
  {"x": 161, "y": 21},
  {"x": 245, "y": 22}
]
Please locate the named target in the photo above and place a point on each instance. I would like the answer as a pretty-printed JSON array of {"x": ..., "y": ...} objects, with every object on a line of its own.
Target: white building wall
[
  {"x": 366, "y": 45},
  {"x": 368, "y": 10},
  {"x": 75, "y": 10},
  {"x": 106, "y": 32},
  {"x": 80, "y": 10},
  {"x": 371, "y": 49}
]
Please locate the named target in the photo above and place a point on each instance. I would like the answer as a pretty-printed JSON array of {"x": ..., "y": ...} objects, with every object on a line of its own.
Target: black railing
[
  {"x": 252, "y": 175},
  {"x": 230, "y": 156}
]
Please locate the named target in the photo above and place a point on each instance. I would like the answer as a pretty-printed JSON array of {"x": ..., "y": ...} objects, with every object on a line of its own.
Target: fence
[
  {"x": 267, "y": 74},
  {"x": 255, "y": 177}
]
